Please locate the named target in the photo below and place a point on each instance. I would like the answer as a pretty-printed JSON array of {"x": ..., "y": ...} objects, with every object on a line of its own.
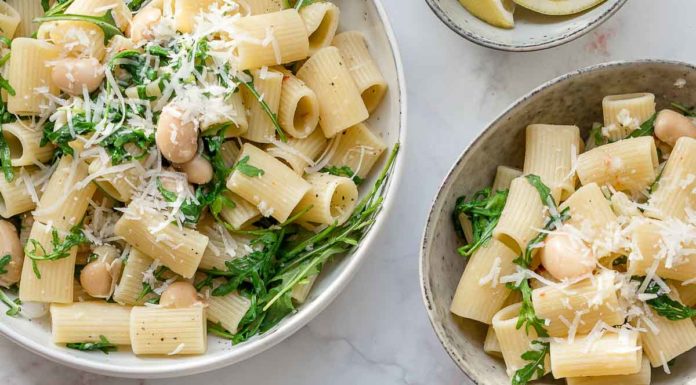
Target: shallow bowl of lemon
[{"x": 523, "y": 25}]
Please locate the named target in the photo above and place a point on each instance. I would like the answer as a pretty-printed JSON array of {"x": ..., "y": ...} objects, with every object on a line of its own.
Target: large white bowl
[
  {"x": 532, "y": 31},
  {"x": 389, "y": 121},
  {"x": 575, "y": 98}
]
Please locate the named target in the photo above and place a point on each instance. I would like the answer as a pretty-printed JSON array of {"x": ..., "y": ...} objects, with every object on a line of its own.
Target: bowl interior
[
  {"x": 532, "y": 30},
  {"x": 386, "y": 122},
  {"x": 571, "y": 99}
]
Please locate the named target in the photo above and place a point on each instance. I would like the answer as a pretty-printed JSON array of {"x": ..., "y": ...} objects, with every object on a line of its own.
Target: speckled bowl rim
[
  {"x": 449, "y": 179},
  {"x": 484, "y": 42},
  {"x": 294, "y": 322}
]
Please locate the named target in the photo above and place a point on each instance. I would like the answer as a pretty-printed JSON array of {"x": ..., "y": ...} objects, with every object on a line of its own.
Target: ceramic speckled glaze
[
  {"x": 532, "y": 31},
  {"x": 575, "y": 98},
  {"x": 388, "y": 121}
]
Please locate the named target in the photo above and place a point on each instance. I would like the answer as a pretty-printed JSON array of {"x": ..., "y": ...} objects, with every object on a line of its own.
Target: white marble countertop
[{"x": 377, "y": 331}]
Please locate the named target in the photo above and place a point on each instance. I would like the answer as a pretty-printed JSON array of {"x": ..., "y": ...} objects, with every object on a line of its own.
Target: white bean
[{"x": 566, "y": 257}]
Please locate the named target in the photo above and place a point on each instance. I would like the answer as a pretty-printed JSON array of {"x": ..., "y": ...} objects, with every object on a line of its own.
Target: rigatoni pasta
[
  {"x": 362, "y": 68},
  {"x": 30, "y": 76},
  {"x": 340, "y": 103}
]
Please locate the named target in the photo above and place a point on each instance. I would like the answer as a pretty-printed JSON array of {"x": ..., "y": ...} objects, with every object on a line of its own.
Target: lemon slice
[
  {"x": 494, "y": 12},
  {"x": 558, "y": 7}
]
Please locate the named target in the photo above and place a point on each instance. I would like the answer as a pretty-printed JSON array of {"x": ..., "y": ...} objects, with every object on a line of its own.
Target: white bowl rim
[
  {"x": 426, "y": 294},
  {"x": 182, "y": 367},
  {"x": 484, "y": 42}
]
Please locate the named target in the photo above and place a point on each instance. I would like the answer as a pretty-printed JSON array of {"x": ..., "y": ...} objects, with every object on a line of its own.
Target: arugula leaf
[
  {"x": 686, "y": 111},
  {"x": 483, "y": 211},
  {"x": 245, "y": 168},
  {"x": 5, "y": 154},
  {"x": 544, "y": 191},
  {"x": 62, "y": 137},
  {"x": 596, "y": 134},
  {"x": 5, "y": 158},
  {"x": 535, "y": 368},
  {"x": 647, "y": 128},
  {"x": 4, "y": 83},
  {"x": 61, "y": 248},
  {"x": 666, "y": 306},
  {"x": 135, "y": 5},
  {"x": 266, "y": 108},
  {"x": 58, "y": 8},
  {"x": 528, "y": 317},
  {"x": 4, "y": 261},
  {"x": 285, "y": 256},
  {"x": 147, "y": 289},
  {"x": 342, "y": 171},
  {"x": 13, "y": 305},
  {"x": 297, "y": 4},
  {"x": 104, "y": 345},
  {"x": 106, "y": 22}
]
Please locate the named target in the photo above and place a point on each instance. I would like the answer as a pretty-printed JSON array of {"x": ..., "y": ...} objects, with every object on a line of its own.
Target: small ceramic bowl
[
  {"x": 575, "y": 98},
  {"x": 388, "y": 122},
  {"x": 532, "y": 31}
]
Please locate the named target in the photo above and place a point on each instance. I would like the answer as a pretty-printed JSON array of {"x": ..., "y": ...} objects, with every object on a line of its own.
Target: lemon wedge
[
  {"x": 557, "y": 7},
  {"x": 494, "y": 12}
]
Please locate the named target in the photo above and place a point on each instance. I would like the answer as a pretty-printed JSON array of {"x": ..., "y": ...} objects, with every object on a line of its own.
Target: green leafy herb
[
  {"x": 5, "y": 158},
  {"x": 266, "y": 108},
  {"x": 535, "y": 367},
  {"x": 106, "y": 22},
  {"x": 4, "y": 84},
  {"x": 297, "y": 4},
  {"x": 58, "y": 8},
  {"x": 544, "y": 191},
  {"x": 284, "y": 256},
  {"x": 104, "y": 345},
  {"x": 114, "y": 144},
  {"x": 4, "y": 261},
  {"x": 5, "y": 153},
  {"x": 666, "y": 306},
  {"x": 13, "y": 305},
  {"x": 687, "y": 111},
  {"x": 343, "y": 171},
  {"x": 62, "y": 137},
  {"x": 647, "y": 128},
  {"x": 245, "y": 168},
  {"x": 60, "y": 248},
  {"x": 135, "y": 5},
  {"x": 147, "y": 289},
  {"x": 483, "y": 211},
  {"x": 596, "y": 134}
]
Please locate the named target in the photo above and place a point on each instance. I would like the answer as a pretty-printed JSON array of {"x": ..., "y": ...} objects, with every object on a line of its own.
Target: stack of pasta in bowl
[
  {"x": 179, "y": 167},
  {"x": 582, "y": 263}
]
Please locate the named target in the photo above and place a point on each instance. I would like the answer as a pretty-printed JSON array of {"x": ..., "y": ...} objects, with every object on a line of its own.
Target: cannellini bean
[
  {"x": 176, "y": 139},
  {"x": 98, "y": 278},
  {"x": 198, "y": 170},
  {"x": 179, "y": 294},
  {"x": 71, "y": 75},
  {"x": 10, "y": 245},
  {"x": 143, "y": 21},
  {"x": 671, "y": 125},
  {"x": 566, "y": 257}
]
